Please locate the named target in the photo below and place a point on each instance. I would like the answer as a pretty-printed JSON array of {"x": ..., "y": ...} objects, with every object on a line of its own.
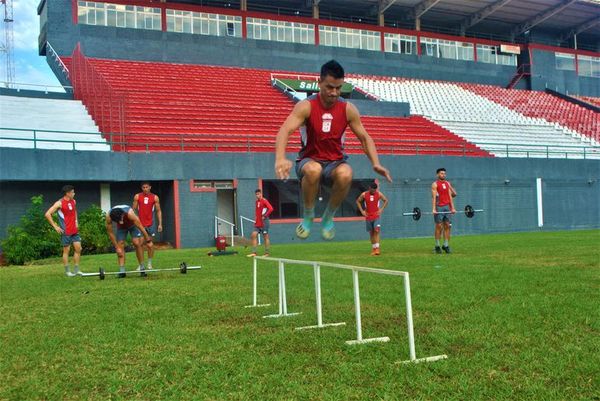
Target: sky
[{"x": 30, "y": 68}]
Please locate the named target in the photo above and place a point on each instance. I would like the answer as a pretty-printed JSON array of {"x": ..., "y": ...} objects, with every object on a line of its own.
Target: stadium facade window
[
  {"x": 403, "y": 44},
  {"x": 350, "y": 38},
  {"x": 280, "y": 31},
  {"x": 491, "y": 54},
  {"x": 203, "y": 23},
  {"x": 121, "y": 16},
  {"x": 286, "y": 198},
  {"x": 565, "y": 61},
  {"x": 448, "y": 49},
  {"x": 589, "y": 66}
]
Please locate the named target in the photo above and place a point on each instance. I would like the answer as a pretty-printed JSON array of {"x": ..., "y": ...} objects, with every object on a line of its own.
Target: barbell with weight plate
[
  {"x": 183, "y": 269},
  {"x": 417, "y": 213}
]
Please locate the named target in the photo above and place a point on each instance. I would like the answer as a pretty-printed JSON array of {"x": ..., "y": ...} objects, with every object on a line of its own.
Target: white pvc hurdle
[
  {"x": 254, "y": 285},
  {"x": 355, "y": 270}
]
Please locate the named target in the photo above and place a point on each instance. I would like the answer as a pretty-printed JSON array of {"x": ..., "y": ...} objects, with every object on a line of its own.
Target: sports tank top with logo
[
  {"x": 67, "y": 216},
  {"x": 443, "y": 191},
  {"x": 146, "y": 208},
  {"x": 323, "y": 133},
  {"x": 372, "y": 205}
]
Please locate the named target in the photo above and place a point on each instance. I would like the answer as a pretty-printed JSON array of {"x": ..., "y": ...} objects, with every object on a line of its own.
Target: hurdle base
[
  {"x": 257, "y": 306},
  {"x": 321, "y": 326},
  {"x": 369, "y": 340},
  {"x": 281, "y": 315},
  {"x": 428, "y": 359}
]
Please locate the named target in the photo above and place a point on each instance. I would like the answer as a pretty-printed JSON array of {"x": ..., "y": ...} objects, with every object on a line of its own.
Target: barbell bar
[
  {"x": 183, "y": 269},
  {"x": 417, "y": 213}
]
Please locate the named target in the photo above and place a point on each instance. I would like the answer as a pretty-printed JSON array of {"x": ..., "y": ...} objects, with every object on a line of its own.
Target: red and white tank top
[
  {"x": 146, "y": 208},
  {"x": 67, "y": 216},
  {"x": 443, "y": 191},
  {"x": 323, "y": 133}
]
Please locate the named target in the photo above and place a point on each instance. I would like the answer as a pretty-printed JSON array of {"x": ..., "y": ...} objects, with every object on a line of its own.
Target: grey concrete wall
[
  {"x": 569, "y": 200},
  {"x": 382, "y": 109},
  {"x": 544, "y": 74}
]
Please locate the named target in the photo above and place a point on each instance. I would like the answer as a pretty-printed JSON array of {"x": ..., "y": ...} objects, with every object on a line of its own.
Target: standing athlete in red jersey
[
  {"x": 441, "y": 201},
  {"x": 263, "y": 210},
  {"x": 323, "y": 118},
  {"x": 372, "y": 211},
  {"x": 67, "y": 226},
  {"x": 145, "y": 203}
]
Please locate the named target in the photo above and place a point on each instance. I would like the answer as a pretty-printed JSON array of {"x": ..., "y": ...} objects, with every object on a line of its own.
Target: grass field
[{"x": 517, "y": 314}]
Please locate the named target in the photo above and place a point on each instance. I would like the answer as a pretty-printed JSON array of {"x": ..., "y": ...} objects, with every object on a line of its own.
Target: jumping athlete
[
  {"x": 67, "y": 227},
  {"x": 263, "y": 210},
  {"x": 127, "y": 223},
  {"x": 372, "y": 211},
  {"x": 145, "y": 203},
  {"x": 442, "y": 208},
  {"x": 323, "y": 118}
]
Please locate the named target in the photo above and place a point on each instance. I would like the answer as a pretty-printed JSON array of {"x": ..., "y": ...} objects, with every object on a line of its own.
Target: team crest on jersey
[
  {"x": 327, "y": 119},
  {"x": 371, "y": 198},
  {"x": 146, "y": 200},
  {"x": 70, "y": 206}
]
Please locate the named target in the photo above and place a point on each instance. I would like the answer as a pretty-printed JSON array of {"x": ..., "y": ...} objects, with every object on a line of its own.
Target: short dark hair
[
  {"x": 440, "y": 169},
  {"x": 67, "y": 188},
  {"x": 332, "y": 68},
  {"x": 258, "y": 190},
  {"x": 116, "y": 214},
  {"x": 373, "y": 185},
  {"x": 145, "y": 183}
]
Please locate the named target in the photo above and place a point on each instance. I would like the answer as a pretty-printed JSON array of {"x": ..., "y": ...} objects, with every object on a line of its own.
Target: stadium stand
[
  {"x": 27, "y": 122},
  {"x": 543, "y": 105},
  {"x": 170, "y": 107},
  {"x": 592, "y": 100},
  {"x": 485, "y": 122}
]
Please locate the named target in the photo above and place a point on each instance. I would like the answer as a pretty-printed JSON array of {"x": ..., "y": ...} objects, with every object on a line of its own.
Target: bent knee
[{"x": 312, "y": 170}]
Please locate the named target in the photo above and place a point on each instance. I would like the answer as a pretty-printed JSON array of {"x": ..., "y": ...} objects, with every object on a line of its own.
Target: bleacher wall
[
  {"x": 138, "y": 44},
  {"x": 571, "y": 189}
]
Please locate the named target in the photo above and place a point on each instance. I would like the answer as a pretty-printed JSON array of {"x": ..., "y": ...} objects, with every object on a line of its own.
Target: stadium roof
[{"x": 499, "y": 19}]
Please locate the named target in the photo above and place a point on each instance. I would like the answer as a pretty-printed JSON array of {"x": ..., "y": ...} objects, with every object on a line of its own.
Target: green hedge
[{"x": 33, "y": 238}]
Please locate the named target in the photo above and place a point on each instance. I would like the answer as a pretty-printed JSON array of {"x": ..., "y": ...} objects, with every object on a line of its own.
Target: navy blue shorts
[
  {"x": 133, "y": 231},
  {"x": 265, "y": 228},
  {"x": 67, "y": 240},
  {"x": 328, "y": 167}
]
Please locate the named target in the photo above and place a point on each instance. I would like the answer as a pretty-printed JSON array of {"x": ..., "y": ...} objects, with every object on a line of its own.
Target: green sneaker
[
  {"x": 302, "y": 232},
  {"x": 328, "y": 230}
]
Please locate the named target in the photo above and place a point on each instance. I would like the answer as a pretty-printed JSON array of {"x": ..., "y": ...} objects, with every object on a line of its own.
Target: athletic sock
[
  {"x": 376, "y": 245},
  {"x": 253, "y": 249},
  {"x": 122, "y": 269},
  {"x": 67, "y": 269},
  {"x": 267, "y": 250},
  {"x": 309, "y": 215},
  {"x": 76, "y": 269},
  {"x": 437, "y": 242},
  {"x": 328, "y": 215},
  {"x": 149, "y": 261},
  {"x": 446, "y": 243}
]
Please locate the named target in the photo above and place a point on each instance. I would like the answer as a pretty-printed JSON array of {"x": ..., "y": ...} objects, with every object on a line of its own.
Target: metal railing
[
  {"x": 18, "y": 86},
  {"x": 57, "y": 59},
  {"x": 218, "y": 222},
  {"x": 266, "y": 143},
  {"x": 104, "y": 103},
  {"x": 244, "y": 218}
]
